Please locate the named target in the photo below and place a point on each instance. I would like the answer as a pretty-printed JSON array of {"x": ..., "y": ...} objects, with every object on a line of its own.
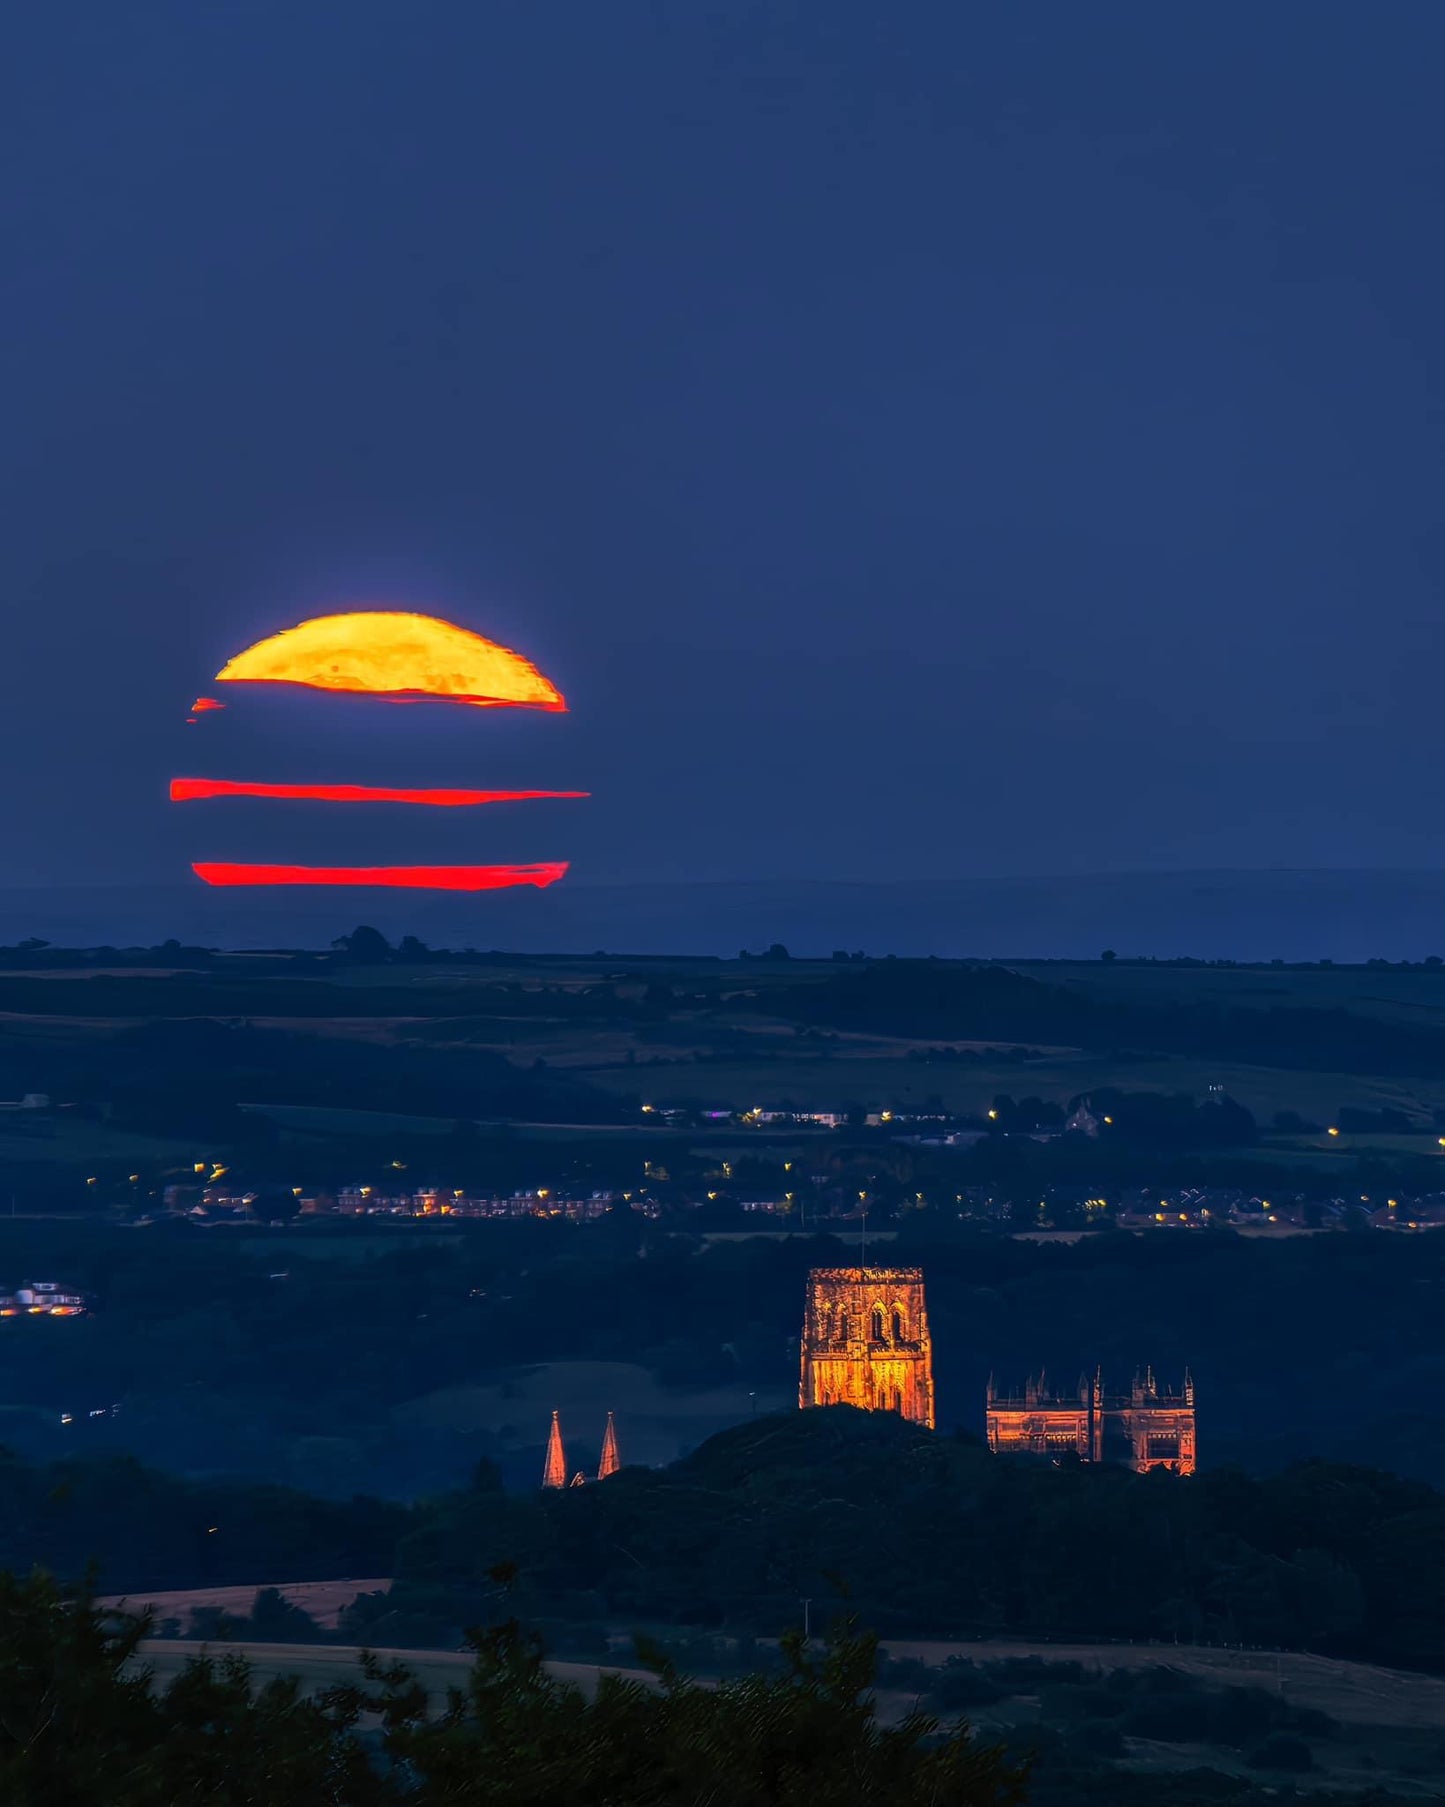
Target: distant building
[
  {"x": 42, "y": 1298},
  {"x": 1144, "y": 1428},
  {"x": 866, "y": 1341},
  {"x": 770, "y": 1115}
]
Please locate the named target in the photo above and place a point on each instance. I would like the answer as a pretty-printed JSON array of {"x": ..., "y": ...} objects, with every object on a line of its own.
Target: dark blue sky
[{"x": 923, "y": 439}]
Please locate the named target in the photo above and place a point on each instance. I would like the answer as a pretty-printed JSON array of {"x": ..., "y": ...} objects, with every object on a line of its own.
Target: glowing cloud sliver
[
  {"x": 418, "y": 878},
  {"x": 189, "y": 790},
  {"x": 402, "y": 657}
]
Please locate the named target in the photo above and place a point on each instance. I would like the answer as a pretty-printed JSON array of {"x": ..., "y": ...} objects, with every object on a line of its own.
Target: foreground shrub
[{"x": 82, "y": 1724}]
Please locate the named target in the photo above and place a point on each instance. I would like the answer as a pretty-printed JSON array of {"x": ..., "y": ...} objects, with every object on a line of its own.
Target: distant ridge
[{"x": 1292, "y": 915}]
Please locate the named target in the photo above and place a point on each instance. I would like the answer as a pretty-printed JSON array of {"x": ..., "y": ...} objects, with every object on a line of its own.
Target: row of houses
[
  {"x": 1137, "y": 1208},
  {"x": 222, "y": 1204},
  {"x": 787, "y": 1116},
  {"x": 43, "y": 1298},
  {"x": 540, "y": 1201}
]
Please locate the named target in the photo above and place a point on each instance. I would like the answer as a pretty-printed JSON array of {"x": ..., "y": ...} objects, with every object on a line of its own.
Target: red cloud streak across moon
[
  {"x": 420, "y": 878},
  {"x": 186, "y": 790}
]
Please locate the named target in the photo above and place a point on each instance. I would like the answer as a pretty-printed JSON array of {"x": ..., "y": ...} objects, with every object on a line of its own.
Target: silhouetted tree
[{"x": 364, "y": 945}]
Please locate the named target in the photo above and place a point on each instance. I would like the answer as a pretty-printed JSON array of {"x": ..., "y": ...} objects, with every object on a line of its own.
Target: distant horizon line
[{"x": 813, "y": 881}]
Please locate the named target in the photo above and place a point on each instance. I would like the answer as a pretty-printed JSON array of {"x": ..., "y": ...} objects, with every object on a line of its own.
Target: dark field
[{"x": 441, "y": 1040}]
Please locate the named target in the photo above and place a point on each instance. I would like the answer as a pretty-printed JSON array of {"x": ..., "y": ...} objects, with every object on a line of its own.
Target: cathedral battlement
[
  {"x": 1147, "y": 1427},
  {"x": 866, "y": 1341}
]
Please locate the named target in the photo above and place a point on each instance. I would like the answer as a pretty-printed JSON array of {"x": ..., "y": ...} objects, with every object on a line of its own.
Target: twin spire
[
  {"x": 554, "y": 1471},
  {"x": 611, "y": 1461},
  {"x": 554, "y": 1474}
]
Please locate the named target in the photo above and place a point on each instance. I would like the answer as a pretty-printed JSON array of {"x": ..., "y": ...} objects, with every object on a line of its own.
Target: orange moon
[{"x": 388, "y": 653}]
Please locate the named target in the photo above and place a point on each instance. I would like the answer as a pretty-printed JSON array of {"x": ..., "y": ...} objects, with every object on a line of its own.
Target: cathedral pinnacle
[
  {"x": 611, "y": 1461},
  {"x": 554, "y": 1474}
]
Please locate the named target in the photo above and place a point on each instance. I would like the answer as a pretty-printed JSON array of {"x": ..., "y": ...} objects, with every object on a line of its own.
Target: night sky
[{"x": 922, "y": 439}]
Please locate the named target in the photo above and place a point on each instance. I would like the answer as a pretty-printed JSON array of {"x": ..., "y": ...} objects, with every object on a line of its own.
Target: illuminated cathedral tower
[{"x": 866, "y": 1341}]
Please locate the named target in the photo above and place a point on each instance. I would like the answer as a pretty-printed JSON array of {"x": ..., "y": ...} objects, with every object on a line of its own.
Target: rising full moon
[
  {"x": 394, "y": 656},
  {"x": 388, "y": 653}
]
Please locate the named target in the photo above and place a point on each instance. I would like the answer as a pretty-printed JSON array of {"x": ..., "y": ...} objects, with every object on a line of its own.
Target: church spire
[
  {"x": 611, "y": 1461},
  {"x": 555, "y": 1472}
]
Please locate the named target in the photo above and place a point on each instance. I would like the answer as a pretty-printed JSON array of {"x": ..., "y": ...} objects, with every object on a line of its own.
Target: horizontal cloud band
[
  {"x": 186, "y": 790},
  {"x": 419, "y": 878}
]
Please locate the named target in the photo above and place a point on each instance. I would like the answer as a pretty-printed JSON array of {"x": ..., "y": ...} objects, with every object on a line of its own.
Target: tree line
[
  {"x": 924, "y": 1535},
  {"x": 932, "y": 1536}
]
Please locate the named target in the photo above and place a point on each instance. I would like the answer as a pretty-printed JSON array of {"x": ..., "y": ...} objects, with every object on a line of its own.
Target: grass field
[
  {"x": 324, "y": 1600},
  {"x": 1354, "y": 1693},
  {"x": 872, "y": 1075},
  {"x": 1412, "y": 994},
  {"x": 1358, "y": 1693},
  {"x": 319, "y": 1666},
  {"x": 79, "y": 1142}
]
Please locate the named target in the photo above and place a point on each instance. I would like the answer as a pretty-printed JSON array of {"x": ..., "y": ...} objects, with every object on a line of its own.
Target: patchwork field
[
  {"x": 325, "y": 1601},
  {"x": 331, "y": 1058}
]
